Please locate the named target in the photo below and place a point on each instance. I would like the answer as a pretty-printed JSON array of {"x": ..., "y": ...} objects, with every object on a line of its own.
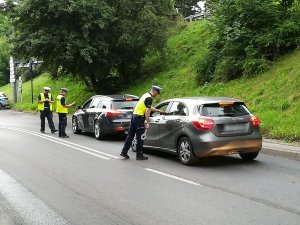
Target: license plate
[{"x": 234, "y": 127}]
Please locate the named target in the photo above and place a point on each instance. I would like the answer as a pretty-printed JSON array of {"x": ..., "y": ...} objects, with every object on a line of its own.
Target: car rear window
[
  {"x": 223, "y": 110},
  {"x": 124, "y": 104}
]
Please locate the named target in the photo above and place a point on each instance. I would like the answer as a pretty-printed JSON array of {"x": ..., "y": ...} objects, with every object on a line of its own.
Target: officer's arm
[
  {"x": 51, "y": 100},
  {"x": 157, "y": 110},
  {"x": 147, "y": 116},
  {"x": 70, "y": 105},
  {"x": 63, "y": 103}
]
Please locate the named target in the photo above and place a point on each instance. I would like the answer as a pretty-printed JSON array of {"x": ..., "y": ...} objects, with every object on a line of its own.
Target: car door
[
  {"x": 82, "y": 116},
  {"x": 91, "y": 113},
  {"x": 172, "y": 124},
  {"x": 153, "y": 130}
]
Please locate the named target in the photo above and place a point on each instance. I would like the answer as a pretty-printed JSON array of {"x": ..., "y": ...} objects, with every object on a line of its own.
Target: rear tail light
[
  {"x": 255, "y": 121},
  {"x": 204, "y": 124},
  {"x": 113, "y": 113},
  {"x": 119, "y": 129}
]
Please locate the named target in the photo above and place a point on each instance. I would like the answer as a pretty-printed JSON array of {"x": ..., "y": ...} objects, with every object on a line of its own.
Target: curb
[{"x": 286, "y": 153}]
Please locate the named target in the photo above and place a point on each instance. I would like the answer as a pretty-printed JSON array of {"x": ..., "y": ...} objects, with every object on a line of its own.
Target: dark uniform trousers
[
  {"x": 137, "y": 127},
  {"x": 46, "y": 113},
  {"x": 62, "y": 124}
]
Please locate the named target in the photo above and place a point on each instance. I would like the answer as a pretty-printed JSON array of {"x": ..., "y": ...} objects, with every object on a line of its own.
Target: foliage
[
  {"x": 5, "y": 31},
  {"x": 248, "y": 36},
  {"x": 5, "y": 27},
  {"x": 100, "y": 41},
  {"x": 187, "y": 7},
  {"x": 4, "y": 62}
]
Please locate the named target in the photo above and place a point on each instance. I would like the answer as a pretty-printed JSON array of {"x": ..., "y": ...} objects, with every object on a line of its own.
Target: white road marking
[
  {"x": 94, "y": 152},
  {"x": 61, "y": 142},
  {"x": 174, "y": 177},
  {"x": 31, "y": 209}
]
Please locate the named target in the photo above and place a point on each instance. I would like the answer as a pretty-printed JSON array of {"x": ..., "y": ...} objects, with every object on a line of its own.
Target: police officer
[
  {"x": 45, "y": 105},
  {"x": 137, "y": 127},
  {"x": 62, "y": 110}
]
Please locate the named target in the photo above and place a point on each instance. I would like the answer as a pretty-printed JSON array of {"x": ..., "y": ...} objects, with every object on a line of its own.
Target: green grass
[{"x": 273, "y": 96}]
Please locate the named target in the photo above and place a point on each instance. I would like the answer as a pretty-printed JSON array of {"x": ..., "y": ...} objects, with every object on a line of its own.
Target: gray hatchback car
[{"x": 204, "y": 126}]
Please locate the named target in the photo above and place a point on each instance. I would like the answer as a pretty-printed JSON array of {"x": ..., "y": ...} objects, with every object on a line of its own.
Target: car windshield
[
  {"x": 124, "y": 104},
  {"x": 219, "y": 110}
]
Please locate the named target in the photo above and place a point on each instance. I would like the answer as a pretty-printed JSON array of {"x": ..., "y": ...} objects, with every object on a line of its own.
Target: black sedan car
[
  {"x": 204, "y": 126},
  {"x": 104, "y": 115}
]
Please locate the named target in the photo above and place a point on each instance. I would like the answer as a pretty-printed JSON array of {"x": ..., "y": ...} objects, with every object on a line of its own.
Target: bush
[{"x": 248, "y": 36}]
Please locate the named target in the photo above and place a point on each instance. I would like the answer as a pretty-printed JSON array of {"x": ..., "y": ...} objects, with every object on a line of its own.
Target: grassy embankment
[{"x": 273, "y": 96}]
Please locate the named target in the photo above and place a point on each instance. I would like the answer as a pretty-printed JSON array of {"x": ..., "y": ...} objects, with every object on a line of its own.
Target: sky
[{"x": 201, "y": 4}]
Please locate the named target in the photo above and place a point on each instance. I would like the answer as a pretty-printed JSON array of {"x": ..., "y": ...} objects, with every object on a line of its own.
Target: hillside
[{"x": 273, "y": 96}]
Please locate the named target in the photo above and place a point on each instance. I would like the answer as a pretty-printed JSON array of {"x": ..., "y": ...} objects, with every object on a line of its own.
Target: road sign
[{"x": 12, "y": 75}]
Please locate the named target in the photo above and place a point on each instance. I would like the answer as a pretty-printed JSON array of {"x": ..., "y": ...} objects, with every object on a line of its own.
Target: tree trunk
[
  {"x": 54, "y": 71},
  {"x": 94, "y": 83}
]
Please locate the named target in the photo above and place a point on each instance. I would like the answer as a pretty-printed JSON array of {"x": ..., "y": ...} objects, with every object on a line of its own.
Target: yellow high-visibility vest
[
  {"x": 41, "y": 106},
  {"x": 59, "y": 106},
  {"x": 140, "y": 108}
]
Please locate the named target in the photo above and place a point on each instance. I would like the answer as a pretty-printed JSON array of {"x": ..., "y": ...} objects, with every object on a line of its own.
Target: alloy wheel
[
  {"x": 97, "y": 131},
  {"x": 75, "y": 128},
  {"x": 185, "y": 152},
  {"x": 133, "y": 144}
]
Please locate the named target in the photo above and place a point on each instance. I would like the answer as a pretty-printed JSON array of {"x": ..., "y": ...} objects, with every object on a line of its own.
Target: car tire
[
  {"x": 185, "y": 152},
  {"x": 0, "y": 106},
  {"x": 249, "y": 156},
  {"x": 98, "y": 131},
  {"x": 133, "y": 144},
  {"x": 75, "y": 128}
]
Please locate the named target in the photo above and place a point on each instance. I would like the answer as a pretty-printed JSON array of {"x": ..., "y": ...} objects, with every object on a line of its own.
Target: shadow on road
[
  {"x": 115, "y": 138},
  {"x": 208, "y": 162}
]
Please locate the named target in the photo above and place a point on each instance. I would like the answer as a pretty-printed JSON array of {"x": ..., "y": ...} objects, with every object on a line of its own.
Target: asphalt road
[{"x": 47, "y": 180}]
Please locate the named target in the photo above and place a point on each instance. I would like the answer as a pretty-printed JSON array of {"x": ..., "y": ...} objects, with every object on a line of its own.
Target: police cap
[
  {"x": 47, "y": 89},
  {"x": 156, "y": 88},
  {"x": 64, "y": 89}
]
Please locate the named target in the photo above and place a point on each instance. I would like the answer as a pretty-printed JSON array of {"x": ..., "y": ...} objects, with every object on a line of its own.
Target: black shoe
[
  {"x": 42, "y": 131},
  {"x": 142, "y": 158},
  {"x": 64, "y": 136},
  {"x": 126, "y": 156},
  {"x": 54, "y": 131}
]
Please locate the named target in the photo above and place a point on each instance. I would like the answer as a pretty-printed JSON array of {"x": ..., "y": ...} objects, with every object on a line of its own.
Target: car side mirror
[{"x": 78, "y": 107}]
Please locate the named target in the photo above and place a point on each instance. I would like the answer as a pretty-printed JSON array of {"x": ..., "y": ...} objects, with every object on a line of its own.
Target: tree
[
  {"x": 187, "y": 7},
  {"x": 4, "y": 62},
  {"x": 101, "y": 41},
  {"x": 5, "y": 31}
]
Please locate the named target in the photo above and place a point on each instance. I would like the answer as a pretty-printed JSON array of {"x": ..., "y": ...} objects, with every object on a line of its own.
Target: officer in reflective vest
[
  {"x": 45, "y": 105},
  {"x": 62, "y": 110},
  {"x": 137, "y": 127}
]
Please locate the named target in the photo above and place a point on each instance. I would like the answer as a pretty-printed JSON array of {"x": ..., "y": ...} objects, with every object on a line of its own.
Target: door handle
[{"x": 157, "y": 120}]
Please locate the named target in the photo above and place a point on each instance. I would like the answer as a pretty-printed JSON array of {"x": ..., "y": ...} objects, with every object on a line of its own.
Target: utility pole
[
  {"x": 31, "y": 81},
  {"x": 12, "y": 68}
]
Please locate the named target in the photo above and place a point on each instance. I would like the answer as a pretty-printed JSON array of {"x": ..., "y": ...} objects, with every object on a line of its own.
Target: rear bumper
[
  {"x": 225, "y": 146},
  {"x": 116, "y": 128}
]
